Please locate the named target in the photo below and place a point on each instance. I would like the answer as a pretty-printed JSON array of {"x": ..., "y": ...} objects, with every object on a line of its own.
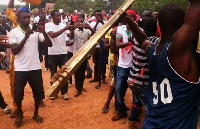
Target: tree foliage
[{"x": 138, "y": 5}]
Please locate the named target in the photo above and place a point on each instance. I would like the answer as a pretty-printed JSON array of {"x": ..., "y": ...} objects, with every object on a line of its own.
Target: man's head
[
  {"x": 42, "y": 16},
  {"x": 56, "y": 16},
  {"x": 3, "y": 21},
  {"x": 171, "y": 18},
  {"x": 80, "y": 21},
  {"x": 23, "y": 18},
  {"x": 147, "y": 14},
  {"x": 131, "y": 13},
  {"x": 150, "y": 27},
  {"x": 98, "y": 14}
]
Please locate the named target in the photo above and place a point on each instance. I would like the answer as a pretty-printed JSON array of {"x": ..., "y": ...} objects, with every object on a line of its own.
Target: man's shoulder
[{"x": 14, "y": 30}]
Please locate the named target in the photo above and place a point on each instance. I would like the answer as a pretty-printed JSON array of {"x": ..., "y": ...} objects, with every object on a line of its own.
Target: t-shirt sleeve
[
  {"x": 48, "y": 28},
  {"x": 119, "y": 32},
  {"x": 41, "y": 37},
  {"x": 67, "y": 32},
  {"x": 13, "y": 38},
  {"x": 66, "y": 38}
]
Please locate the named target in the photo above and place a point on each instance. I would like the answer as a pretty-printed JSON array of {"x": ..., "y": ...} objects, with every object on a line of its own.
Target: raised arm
[
  {"x": 56, "y": 34},
  {"x": 179, "y": 51},
  {"x": 18, "y": 47}
]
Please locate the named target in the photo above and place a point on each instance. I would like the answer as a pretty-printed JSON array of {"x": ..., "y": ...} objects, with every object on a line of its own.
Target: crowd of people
[{"x": 155, "y": 54}]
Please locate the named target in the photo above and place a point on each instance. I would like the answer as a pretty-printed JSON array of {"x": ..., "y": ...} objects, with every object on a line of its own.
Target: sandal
[
  {"x": 38, "y": 119},
  {"x": 97, "y": 87},
  {"x": 18, "y": 120},
  {"x": 7, "y": 110},
  {"x": 105, "y": 110}
]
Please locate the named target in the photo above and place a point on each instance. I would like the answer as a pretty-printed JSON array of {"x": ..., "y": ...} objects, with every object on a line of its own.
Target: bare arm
[
  {"x": 11, "y": 4},
  {"x": 113, "y": 47},
  {"x": 56, "y": 34},
  {"x": 47, "y": 40},
  {"x": 17, "y": 48},
  {"x": 119, "y": 44},
  {"x": 179, "y": 51}
]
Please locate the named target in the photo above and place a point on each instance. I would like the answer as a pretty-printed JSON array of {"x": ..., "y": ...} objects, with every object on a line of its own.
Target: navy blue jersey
[{"x": 174, "y": 101}]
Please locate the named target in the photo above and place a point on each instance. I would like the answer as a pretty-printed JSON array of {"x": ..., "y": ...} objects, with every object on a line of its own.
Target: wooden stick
[{"x": 60, "y": 78}]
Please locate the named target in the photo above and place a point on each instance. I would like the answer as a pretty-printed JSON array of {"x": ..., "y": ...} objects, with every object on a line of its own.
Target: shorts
[{"x": 34, "y": 78}]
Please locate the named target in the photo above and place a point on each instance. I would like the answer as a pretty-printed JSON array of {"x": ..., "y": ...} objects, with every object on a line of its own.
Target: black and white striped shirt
[{"x": 139, "y": 73}]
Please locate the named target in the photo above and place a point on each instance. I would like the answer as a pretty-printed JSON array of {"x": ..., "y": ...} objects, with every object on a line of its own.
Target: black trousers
[
  {"x": 54, "y": 62},
  {"x": 45, "y": 52},
  {"x": 80, "y": 76},
  {"x": 96, "y": 55},
  {"x": 3, "y": 104},
  {"x": 69, "y": 55}
]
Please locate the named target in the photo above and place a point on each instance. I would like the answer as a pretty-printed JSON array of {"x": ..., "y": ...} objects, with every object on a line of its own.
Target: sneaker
[
  {"x": 53, "y": 98},
  {"x": 65, "y": 96},
  {"x": 69, "y": 85},
  {"x": 45, "y": 69},
  {"x": 118, "y": 116},
  {"x": 7, "y": 110}
]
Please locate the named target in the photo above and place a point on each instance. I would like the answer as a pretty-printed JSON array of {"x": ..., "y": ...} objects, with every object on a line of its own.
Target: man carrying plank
[{"x": 174, "y": 76}]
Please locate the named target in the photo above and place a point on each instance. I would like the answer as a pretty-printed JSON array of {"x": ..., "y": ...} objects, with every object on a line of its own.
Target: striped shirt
[{"x": 139, "y": 73}]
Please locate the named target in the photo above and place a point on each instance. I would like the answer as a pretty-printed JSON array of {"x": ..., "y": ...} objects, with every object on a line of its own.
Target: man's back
[{"x": 173, "y": 100}]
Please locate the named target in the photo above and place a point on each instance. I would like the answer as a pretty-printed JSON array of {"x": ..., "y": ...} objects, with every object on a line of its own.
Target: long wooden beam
[{"x": 64, "y": 73}]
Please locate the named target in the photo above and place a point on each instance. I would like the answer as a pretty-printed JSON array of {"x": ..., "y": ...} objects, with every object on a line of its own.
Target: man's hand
[
  {"x": 28, "y": 33},
  {"x": 40, "y": 28},
  {"x": 3, "y": 38}
]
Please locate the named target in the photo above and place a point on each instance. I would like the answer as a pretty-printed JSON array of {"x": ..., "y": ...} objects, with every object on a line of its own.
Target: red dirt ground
[{"x": 83, "y": 112}]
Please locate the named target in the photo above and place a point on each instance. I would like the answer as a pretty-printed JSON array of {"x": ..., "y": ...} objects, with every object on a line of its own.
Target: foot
[
  {"x": 89, "y": 75},
  {"x": 84, "y": 90},
  {"x": 14, "y": 114},
  {"x": 118, "y": 117},
  {"x": 53, "y": 98},
  {"x": 78, "y": 93},
  {"x": 45, "y": 69},
  {"x": 18, "y": 120},
  {"x": 133, "y": 125},
  {"x": 65, "y": 96},
  {"x": 127, "y": 108},
  {"x": 94, "y": 80},
  {"x": 97, "y": 87},
  {"x": 38, "y": 119},
  {"x": 41, "y": 103},
  {"x": 7, "y": 110},
  {"x": 69, "y": 85},
  {"x": 104, "y": 81},
  {"x": 105, "y": 109}
]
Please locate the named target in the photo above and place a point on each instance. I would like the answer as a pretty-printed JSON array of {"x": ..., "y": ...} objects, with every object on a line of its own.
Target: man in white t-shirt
[
  {"x": 96, "y": 25},
  {"x": 24, "y": 45},
  {"x": 57, "y": 55},
  {"x": 123, "y": 69}
]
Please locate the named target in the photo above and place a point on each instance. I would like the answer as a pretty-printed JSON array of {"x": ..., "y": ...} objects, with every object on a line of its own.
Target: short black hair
[
  {"x": 53, "y": 12},
  {"x": 171, "y": 18},
  {"x": 98, "y": 11},
  {"x": 150, "y": 27},
  {"x": 81, "y": 16},
  {"x": 20, "y": 12}
]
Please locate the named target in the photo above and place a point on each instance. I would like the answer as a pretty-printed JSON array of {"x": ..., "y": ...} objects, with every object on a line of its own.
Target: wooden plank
[{"x": 60, "y": 78}]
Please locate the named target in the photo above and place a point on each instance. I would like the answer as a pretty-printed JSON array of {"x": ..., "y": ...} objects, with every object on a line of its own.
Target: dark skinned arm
[
  {"x": 69, "y": 43},
  {"x": 4, "y": 56},
  {"x": 56, "y": 34},
  {"x": 113, "y": 47},
  {"x": 119, "y": 44},
  {"x": 179, "y": 51},
  {"x": 17, "y": 48},
  {"x": 11, "y": 4},
  {"x": 47, "y": 40}
]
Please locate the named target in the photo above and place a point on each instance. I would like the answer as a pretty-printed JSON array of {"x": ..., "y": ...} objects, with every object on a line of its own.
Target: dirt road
[{"x": 83, "y": 112}]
